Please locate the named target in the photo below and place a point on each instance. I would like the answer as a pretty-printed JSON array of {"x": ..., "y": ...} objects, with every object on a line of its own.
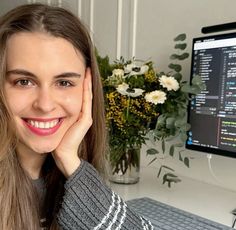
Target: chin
[
  {"x": 45, "y": 144},
  {"x": 43, "y": 149}
]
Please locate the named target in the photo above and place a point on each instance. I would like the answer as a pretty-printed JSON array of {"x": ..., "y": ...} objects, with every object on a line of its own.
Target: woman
[{"x": 52, "y": 127}]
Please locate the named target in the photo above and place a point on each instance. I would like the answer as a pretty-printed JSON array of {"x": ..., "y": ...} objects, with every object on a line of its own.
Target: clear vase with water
[{"x": 125, "y": 168}]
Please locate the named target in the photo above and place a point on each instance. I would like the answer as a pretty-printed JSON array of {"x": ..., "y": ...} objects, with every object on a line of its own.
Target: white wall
[{"x": 158, "y": 22}]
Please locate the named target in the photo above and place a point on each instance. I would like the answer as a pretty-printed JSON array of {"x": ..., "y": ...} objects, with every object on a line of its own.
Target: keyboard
[{"x": 166, "y": 217}]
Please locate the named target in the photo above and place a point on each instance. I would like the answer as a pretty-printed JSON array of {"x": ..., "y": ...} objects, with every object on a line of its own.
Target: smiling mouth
[
  {"x": 43, "y": 124},
  {"x": 43, "y": 127}
]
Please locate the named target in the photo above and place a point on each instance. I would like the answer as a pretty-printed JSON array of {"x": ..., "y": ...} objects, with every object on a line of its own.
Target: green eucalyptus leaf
[
  {"x": 196, "y": 80},
  {"x": 195, "y": 89},
  {"x": 180, "y": 157},
  {"x": 171, "y": 175},
  {"x": 174, "y": 56},
  {"x": 177, "y": 68},
  {"x": 187, "y": 127},
  {"x": 167, "y": 167},
  {"x": 190, "y": 89},
  {"x": 180, "y": 37},
  {"x": 152, "y": 160},
  {"x": 183, "y": 137},
  {"x": 179, "y": 57},
  {"x": 186, "y": 89},
  {"x": 177, "y": 76},
  {"x": 170, "y": 138},
  {"x": 172, "y": 150},
  {"x": 170, "y": 178},
  {"x": 170, "y": 121},
  {"x": 181, "y": 46},
  {"x": 183, "y": 56},
  {"x": 179, "y": 122},
  {"x": 159, "y": 172},
  {"x": 186, "y": 161},
  {"x": 152, "y": 151},
  {"x": 179, "y": 145},
  {"x": 163, "y": 146},
  {"x": 161, "y": 120}
]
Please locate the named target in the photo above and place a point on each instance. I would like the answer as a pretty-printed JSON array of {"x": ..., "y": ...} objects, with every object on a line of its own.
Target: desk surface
[{"x": 209, "y": 201}]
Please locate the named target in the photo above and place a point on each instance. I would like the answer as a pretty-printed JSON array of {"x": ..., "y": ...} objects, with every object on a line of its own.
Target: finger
[{"x": 87, "y": 95}]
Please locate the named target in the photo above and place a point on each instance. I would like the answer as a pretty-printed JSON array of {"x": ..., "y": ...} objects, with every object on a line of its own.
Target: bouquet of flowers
[
  {"x": 140, "y": 100},
  {"x": 130, "y": 109}
]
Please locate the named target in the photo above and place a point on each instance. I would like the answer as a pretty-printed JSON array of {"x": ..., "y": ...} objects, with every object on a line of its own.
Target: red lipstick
[{"x": 43, "y": 131}]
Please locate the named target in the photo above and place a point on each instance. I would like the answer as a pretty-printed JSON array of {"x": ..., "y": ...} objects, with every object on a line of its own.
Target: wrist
[
  {"x": 71, "y": 167},
  {"x": 67, "y": 163}
]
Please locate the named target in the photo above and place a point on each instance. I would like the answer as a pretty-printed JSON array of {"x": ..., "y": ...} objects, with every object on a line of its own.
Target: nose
[{"x": 44, "y": 100}]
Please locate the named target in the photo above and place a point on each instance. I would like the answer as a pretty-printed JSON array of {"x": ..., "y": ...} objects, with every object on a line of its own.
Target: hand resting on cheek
[{"x": 65, "y": 155}]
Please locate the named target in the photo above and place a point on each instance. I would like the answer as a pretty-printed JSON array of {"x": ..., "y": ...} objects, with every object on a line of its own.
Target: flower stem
[{"x": 127, "y": 111}]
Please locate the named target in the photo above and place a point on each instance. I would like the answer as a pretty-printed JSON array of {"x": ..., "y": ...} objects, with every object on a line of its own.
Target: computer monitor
[{"x": 212, "y": 113}]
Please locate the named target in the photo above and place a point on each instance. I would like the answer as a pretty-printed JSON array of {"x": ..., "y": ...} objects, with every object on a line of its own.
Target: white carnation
[
  {"x": 156, "y": 97},
  {"x": 169, "y": 82}
]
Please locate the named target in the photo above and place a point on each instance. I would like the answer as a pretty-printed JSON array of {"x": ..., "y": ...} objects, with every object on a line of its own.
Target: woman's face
[{"x": 43, "y": 88}]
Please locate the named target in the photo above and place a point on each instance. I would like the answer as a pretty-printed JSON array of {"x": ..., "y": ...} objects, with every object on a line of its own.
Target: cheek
[
  {"x": 74, "y": 104},
  {"x": 17, "y": 103}
]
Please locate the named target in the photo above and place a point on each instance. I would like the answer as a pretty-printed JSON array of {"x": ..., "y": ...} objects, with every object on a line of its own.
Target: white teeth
[
  {"x": 47, "y": 125},
  {"x": 36, "y": 124},
  {"x": 43, "y": 125}
]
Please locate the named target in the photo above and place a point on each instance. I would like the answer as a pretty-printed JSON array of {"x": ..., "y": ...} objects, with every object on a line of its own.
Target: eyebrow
[{"x": 29, "y": 74}]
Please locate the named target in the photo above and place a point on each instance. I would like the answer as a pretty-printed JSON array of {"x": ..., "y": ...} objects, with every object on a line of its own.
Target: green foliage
[
  {"x": 179, "y": 57},
  {"x": 175, "y": 67},
  {"x": 180, "y": 37},
  {"x": 181, "y": 46},
  {"x": 172, "y": 123}
]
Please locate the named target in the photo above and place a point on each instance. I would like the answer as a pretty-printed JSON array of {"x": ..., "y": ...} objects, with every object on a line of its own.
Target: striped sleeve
[{"x": 88, "y": 203}]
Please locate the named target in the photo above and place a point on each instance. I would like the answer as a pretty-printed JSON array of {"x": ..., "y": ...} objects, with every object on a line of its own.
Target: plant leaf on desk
[
  {"x": 152, "y": 151},
  {"x": 152, "y": 160},
  {"x": 164, "y": 167},
  {"x": 163, "y": 146},
  {"x": 170, "y": 178},
  {"x": 172, "y": 150},
  {"x": 180, "y": 157},
  {"x": 186, "y": 161}
]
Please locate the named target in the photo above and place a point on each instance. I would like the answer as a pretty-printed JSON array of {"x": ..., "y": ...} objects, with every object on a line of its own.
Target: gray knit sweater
[{"x": 89, "y": 204}]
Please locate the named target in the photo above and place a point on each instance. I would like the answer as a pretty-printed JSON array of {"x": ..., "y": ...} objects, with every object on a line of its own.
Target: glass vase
[{"x": 125, "y": 168}]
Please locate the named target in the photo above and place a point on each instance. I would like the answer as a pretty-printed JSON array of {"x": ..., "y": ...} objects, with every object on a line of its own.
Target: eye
[
  {"x": 65, "y": 83},
  {"x": 23, "y": 82}
]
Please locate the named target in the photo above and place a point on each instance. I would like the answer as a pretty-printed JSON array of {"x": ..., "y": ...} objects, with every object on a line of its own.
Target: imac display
[{"x": 212, "y": 113}]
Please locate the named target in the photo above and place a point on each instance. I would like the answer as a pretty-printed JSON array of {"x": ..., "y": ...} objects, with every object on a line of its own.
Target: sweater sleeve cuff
[{"x": 76, "y": 174}]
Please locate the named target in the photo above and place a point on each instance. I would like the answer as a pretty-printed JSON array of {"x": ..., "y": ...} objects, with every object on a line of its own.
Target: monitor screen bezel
[{"x": 199, "y": 148}]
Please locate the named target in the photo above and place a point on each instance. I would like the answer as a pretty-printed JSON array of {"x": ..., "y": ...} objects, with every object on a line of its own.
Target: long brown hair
[{"x": 18, "y": 204}]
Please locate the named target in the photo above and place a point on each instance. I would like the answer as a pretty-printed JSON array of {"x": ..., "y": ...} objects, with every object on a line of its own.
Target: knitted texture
[{"x": 89, "y": 203}]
